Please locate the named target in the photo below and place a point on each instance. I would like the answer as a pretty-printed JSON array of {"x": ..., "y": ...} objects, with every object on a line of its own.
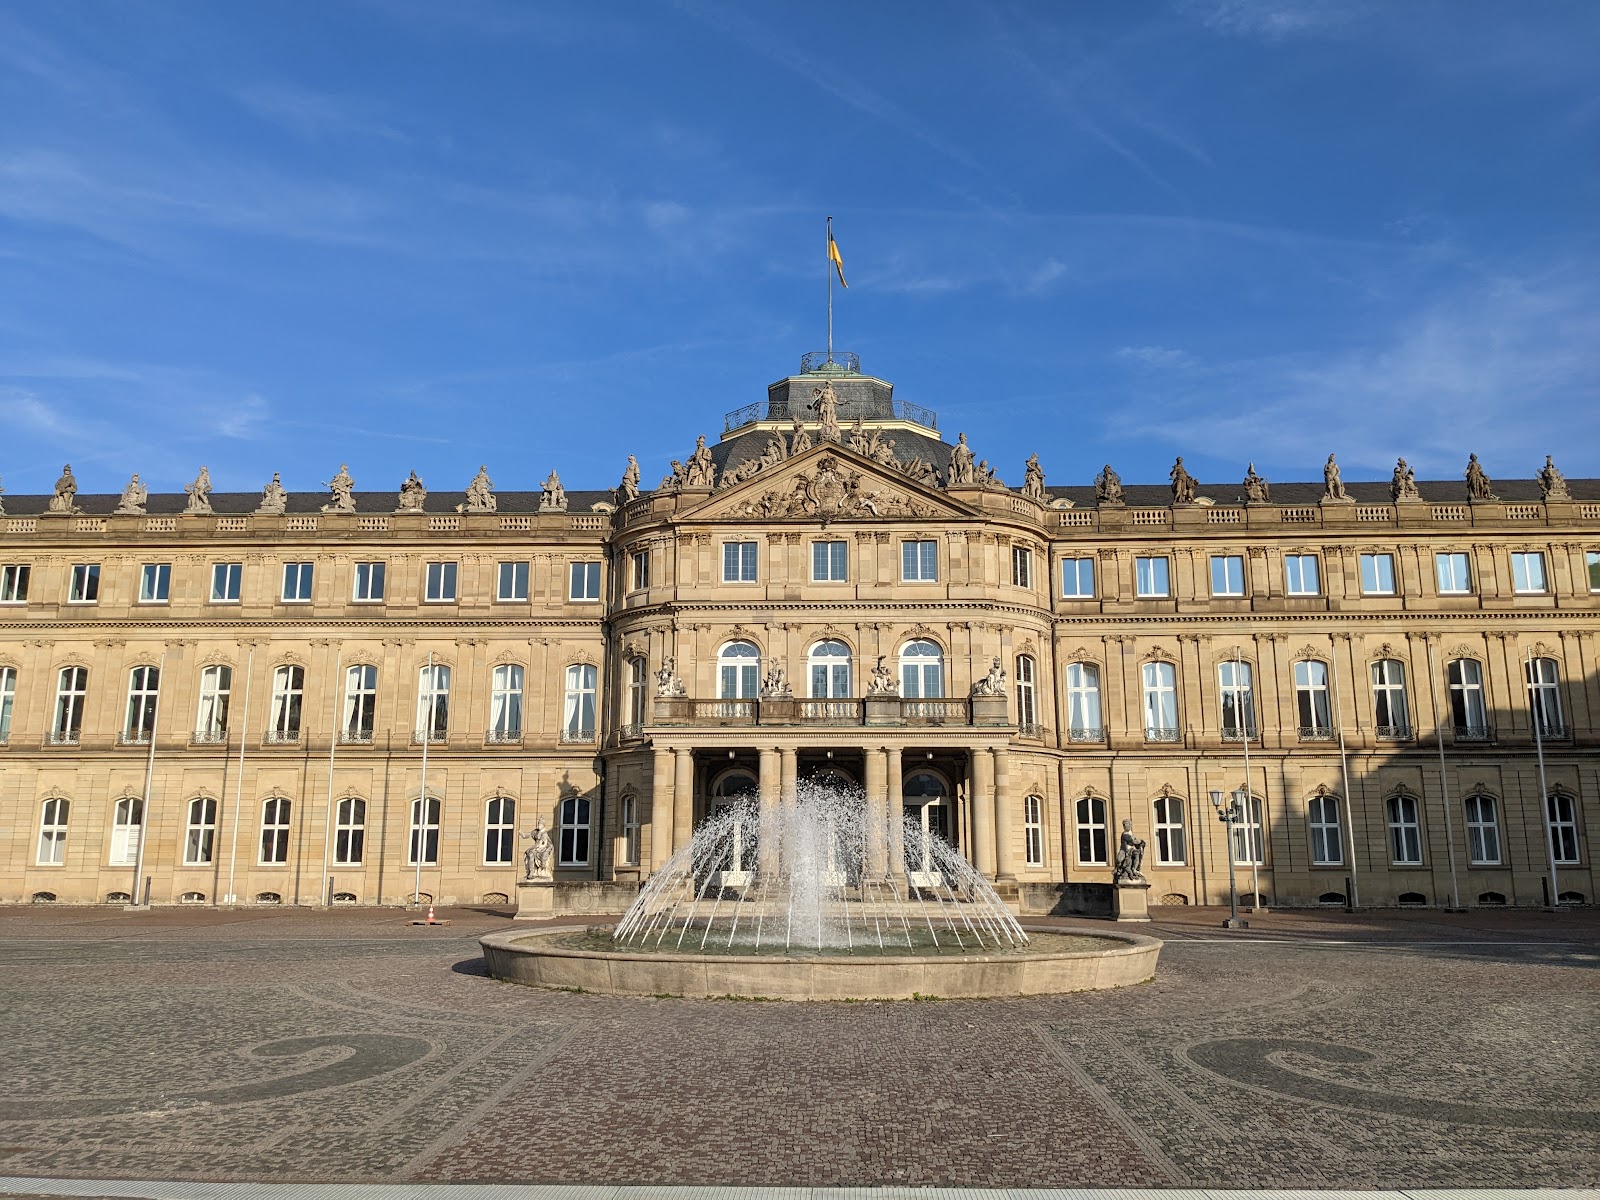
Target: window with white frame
[
  {"x": 1247, "y": 840},
  {"x": 1483, "y": 830},
  {"x": 1027, "y": 694},
  {"x": 1591, "y": 560},
  {"x": 127, "y": 822},
  {"x": 14, "y": 583},
  {"x": 200, "y": 832},
  {"x": 739, "y": 671},
  {"x": 439, "y": 583},
  {"x": 1327, "y": 831},
  {"x": 349, "y": 831},
  {"x": 275, "y": 830},
  {"x": 830, "y": 562},
  {"x": 1562, "y": 811},
  {"x": 919, "y": 561},
  {"x": 1390, "y": 712},
  {"x": 738, "y": 562},
  {"x": 828, "y": 666},
  {"x": 1152, "y": 576},
  {"x": 155, "y": 583},
  {"x": 1021, "y": 567},
  {"x": 641, "y": 570},
  {"x": 1227, "y": 575},
  {"x": 1083, "y": 703},
  {"x": 1311, "y": 700},
  {"x": 1405, "y": 830},
  {"x": 1234, "y": 683},
  {"x": 369, "y": 578},
  {"x": 638, "y": 691},
  {"x": 53, "y": 832},
  {"x": 1160, "y": 702},
  {"x": 83, "y": 585},
  {"x": 1090, "y": 819},
  {"x": 512, "y": 582},
  {"x": 573, "y": 849},
  {"x": 297, "y": 582},
  {"x": 583, "y": 582},
  {"x": 628, "y": 852},
  {"x": 227, "y": 581},
  {"x": 1033, "y": 830},
  {"x": 144, "y": 690},
  {"x": 1301, "y": 577},
  {"x": 216, "y": 690},
  {"x": 288, "y": 695},
  {"x": 8, "y": 701},
  {"x": 422, "y": 848},
  {"x": 1377, "y": 574},
  {"x": 1469, "y": 714},
  {"x": 433, "y": 703},
  {"x": 360, "y": 714},
  {"x": 577, "y": 714},
  {"x": 505, "y": 703},
  {"x": 1077, "y": 578},
  {"x": 921, "y": 670},
  {"x": 72, "y": 691},
  {"x": 1544, "y": 696},
  {"x": 1454, "y": 574},
  {"x": 1527, "y": 572},
  {"x": 500, "y": 830},
  {"x": 1171, "y": 847}
]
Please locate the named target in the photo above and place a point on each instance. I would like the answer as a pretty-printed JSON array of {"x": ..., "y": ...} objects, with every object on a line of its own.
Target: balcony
[
  {"x": 61, "y": 737},
  {"x": 355, "y": 737},
  {"x": 503, "y": 737},
  {"x": 577, "y": 736},
  {"x": 874, "y": 710},
  {"x": 134, "y": 737},
  {"x": 1467, "y": 734},
  {"x": 1087, "y": 734},
  {"x": 209, "y": 737},
  {"x": 432, "y": 737},
  {"x": 1317, "y": 733},
  {"x": 1154, "y": 734},
  {"x": 281, "y": 737},
  {"x": 1393, "y": 733}
]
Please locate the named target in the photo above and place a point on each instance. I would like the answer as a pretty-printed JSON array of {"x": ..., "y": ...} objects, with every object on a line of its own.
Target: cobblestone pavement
[{"x": 1314, "y": 1050}]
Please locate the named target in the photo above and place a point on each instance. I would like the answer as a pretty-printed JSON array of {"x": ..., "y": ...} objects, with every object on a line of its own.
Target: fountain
[{"x": 814, "y": 899}]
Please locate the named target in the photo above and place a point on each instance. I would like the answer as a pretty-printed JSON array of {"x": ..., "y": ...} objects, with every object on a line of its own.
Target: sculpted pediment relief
[{"x": 829, "y": 483}]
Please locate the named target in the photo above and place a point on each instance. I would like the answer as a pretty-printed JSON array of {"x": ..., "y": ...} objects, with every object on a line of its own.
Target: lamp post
[{"x": 1228, "y": 816}]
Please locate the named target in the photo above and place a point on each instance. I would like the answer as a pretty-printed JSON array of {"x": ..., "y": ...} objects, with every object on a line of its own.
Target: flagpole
[{"x": 828, "y": 260}]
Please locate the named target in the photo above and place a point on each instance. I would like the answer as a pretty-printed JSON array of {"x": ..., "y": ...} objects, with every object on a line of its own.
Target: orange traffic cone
[{"x": 430, "y": 915}]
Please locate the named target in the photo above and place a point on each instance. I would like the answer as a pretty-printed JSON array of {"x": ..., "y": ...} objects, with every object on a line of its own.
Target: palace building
[{"x": 367, "y": 697}]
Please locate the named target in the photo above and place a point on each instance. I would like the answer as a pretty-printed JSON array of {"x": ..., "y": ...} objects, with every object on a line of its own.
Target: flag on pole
[{"x": 833, "y": 256}]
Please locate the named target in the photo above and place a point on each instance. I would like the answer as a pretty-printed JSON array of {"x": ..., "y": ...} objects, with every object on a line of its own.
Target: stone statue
[
  {"x": 342, "y": 489},
  {"x": 1130, "y": 857},
  {"x": 701, "y": 472},
  {"x": 674, "y": 479},
  {"x": 1033, "y": 479},
  {"x": 826, "y": 404},
  {"x": 134, "y": 497},
  {"x": 883, "y": 681},
  {"x": 1479, "y": 485},
  {"x": 2, "y": 503},
  {"x": 412, "y": 495},
  {"x": 628, "y": 489},
  {"x": 961, "y": 471},
  {"x": 1332, "y": 485},
  {"x": 199, "y": 493},
  {"x": 774, "y": 454},
  {"x": 1184, "y": 485},
  {"x": 920, "y": 470},
  {"x": 1255, "y": 487},
  {"x": 858, "y": 438},
  {"x": 776, "y": 685},
  {"x": 536, "y": 858},
  {"x": 799, "y": 439},
  {"x": 274, "y": 499},
  {"x": 1404, "y": 484},
  {"x": 667, "y": 682},
  {"x": 1108, "y": 488},
  {"x": 882, "y": 450},
  {"x": 480, "y": 494},
  {"x": 554, "y": 496},
  {"x": 64, "y": 502},
  {"x": 1552, "y": 483},
  {"x": 994, "y": 683}
]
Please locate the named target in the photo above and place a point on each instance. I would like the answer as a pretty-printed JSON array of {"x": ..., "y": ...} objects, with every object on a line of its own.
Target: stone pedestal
[
  {"x": 883, "y": 710},
  {"x": 536, "y": 899},
  {"x": 989, "y": 710},
  {"x": 1130, "y": 902}
]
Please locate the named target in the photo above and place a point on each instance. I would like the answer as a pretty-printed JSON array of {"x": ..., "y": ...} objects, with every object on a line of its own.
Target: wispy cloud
[
  {"x": 316, "y": 116},
  {"x": 1274, "y": 20}
]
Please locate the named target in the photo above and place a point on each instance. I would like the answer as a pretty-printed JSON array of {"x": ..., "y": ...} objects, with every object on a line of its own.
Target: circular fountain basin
[{"x": 1050, "y": 962}]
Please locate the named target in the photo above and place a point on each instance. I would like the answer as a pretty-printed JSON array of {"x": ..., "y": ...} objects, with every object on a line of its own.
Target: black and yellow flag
[{"x": 833, "y": 256}]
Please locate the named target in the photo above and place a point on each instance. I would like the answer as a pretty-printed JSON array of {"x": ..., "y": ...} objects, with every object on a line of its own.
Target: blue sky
[{"x": 405, "y": 234}]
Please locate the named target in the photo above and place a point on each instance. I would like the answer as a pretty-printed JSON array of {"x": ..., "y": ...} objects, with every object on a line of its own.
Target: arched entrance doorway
[{"x": 929, "y": 803}]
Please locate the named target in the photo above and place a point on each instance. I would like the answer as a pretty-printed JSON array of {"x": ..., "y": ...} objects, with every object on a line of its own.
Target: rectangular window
[
  {"x": 1327, "y": 838},
  {"x": 500, "y": 830},
  {"x": 505, "y": 704},
  {"x": 127, "y": 820},
  {"x": 53, "y": 832},
  {"x": 1033, "y": 830},
  {"x": 369, "y": 583},
  {"x": 630, "y": 829},
  {"x": 288, "y": 694},
  {"x": 226, "y": 581},
  {"x": 275, "y": 830},
  {"x": 513, "y": 582},
  {"x": 1377, "y": 574},
  {"x": 830, "y": 562},
  {"x": 1170, "y": 848},
  {"x": 641, "y": 570},
  {"x": 1151, "y": 577},
  {"x": 423, "y": 845},
  {"x": 200, "y": 834},
  {"x": 1592, "y": 558},
  {"x": 738, "y": 562},
  {"x": 349, "y": 831},
  {"x": 72, "y": 691},
  {"x": 1021, "y": 567},
  {"x": 1238, "y": 701},
  {"x": 14, "y": 583},
  {"x": 1454, "y": 577},
  {"x": 8, "y": 699},
  {"x": 1311, "y": 701},
  {"x": 584, "y": 583},
  {"x": 1301, "y": 576},
  {"x": 1390, "y": 712},
  {"x": 439, "y": 586},
  {"x": 1483, "y": 831},
  {"x": 1027, "y": 697},
  {"x": 1083, "y": 703},
  {"x": 1227, "y": 575},
  {"x": 211, "y": 720},
  {"x": 1405, "y": 831},
  {"x": 1247, "y": 843},
  {"x": 433, "y": 704},
  {"x": 578, "y": 711},
  {"x": 919, "y": 562},
  {"x": 1077, "y": 578},
  {"x": 1527, "y": 572},
  {"x": 1161, "y": 703},
  {"x": 359, "y": 717},
  {"x": 84, "y": 587},
  {"x": 297, "y": 583},
  {"x": 573, "y": 846},
  {"x": 1563, "y": 815},
  {"x": 144, "y": 693},
  {"x": 1090, "y": 812},
  {"x": 155, "y": 583}
]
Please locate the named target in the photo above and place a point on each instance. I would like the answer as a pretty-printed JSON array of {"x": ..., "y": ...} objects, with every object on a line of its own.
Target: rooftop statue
[
  {"x": 1479, "y": 485},
  {"x": 700, "y": 472},
  {"x": 961, "y": 469},
  {"x": 2, "y": 502},
  {"x": 628, "y": 489},
  {"x": 799, "y": 440},
  {"x": 858, "y": 438},
  {"x": 199, "y": 493},
  {"x": 1332, "y": 485},
  {"x": 1404, "y": 484},
  {"x": 342, "y": 492},
  {"x": 274, "y": 499},
  {"x": 1184, "y": 485},
  {"x": 1552, "y": 483},
  {"x": 1255, "y": 488},
  {"x": 1108, "y": 488},
  {"x": 480, "y": 494},
  {"x": 1033, "y": 479},
  {"x": 554, "y": 496},
  {"x": 64, "y": 502},
  {"x": 826, "y": 404},
  {"x": 134, "y": 498},
  {"x": 412, "y": 494}
]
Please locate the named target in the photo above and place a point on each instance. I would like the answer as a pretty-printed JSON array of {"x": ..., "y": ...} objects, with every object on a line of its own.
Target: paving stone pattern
[{"x": 1312, "y": 1051}]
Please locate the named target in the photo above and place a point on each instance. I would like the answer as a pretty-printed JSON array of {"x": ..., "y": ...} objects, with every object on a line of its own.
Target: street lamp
[{"x": 1228, "y": 816}]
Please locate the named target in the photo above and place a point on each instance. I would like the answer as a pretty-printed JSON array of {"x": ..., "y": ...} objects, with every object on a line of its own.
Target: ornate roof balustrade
[{"x": 873, "y": 710}]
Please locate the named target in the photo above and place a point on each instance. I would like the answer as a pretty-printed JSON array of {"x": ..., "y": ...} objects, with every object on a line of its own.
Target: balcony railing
[
  {"x": 355, "y": 737},
  {"x": 1316, "y": 733},
  {"x": 1472, "y": 733},
  {"x": 503, "y": 737},
  {"x": 209, "y": 737},
  {"x": 1240, "y": 735},
  {"x": 61, "y": 737},
  {"x": 630, "y": 733},
  {"x": 1086, "y": 734},
  {"x": 434, "y": 737},
  {"x": 934, "y": 712},
  {"x": 806, "y": 711},
  {"x": 282, "y": 737},
  {"x": 1394, "y": 733},
  {"x": 134, "y": 737},
  {"x": 1552, "y": 732},
  {"x": 1153, "y": 734},
  {"x": 1030, "y": 729},
  {"x": 577, "y": 735}
]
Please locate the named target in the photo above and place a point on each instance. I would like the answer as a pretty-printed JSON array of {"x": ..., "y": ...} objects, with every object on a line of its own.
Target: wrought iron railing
[
  {"x": 61, "y": 737},
  {"x": 209, "y": 737},
  {"x": 1086, "y": 734},
  {"x": 355, "y": 737},
  {"x": 779, "y": 410},
  {"x": 803, "y": 711},
  {"x": 503, "y": 737},
  {"x": 433, "y": 737},
  {"x": 282, "y": 737},
  {"x": 577, "y": 735},
  {"x": 1472, "y": 733},
  {"x": 1240, "y": 735},
  {"x": 1154, "y": 734},
  {"x": 141, "y": 737},
  {"x": 1394, "y": 733},
  {"x": 830, "y": 360},
  {"x": 631, "y": 732},
  {"x": 1316, "y": 733},
  {"x": 1551, "y": 731}
]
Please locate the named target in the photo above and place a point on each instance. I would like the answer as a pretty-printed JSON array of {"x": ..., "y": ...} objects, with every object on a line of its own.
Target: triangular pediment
[{"x": 828, "y": 482}]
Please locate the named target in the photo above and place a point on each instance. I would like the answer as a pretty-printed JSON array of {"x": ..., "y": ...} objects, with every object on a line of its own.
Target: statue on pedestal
[
  {"x": 668, "y": 685},
  {"x": 799, "y": 438},
  {"x": 1184, "y": 485},
  {"x": 700, "y": 471},
  {"x": 628, "y": 489},
  {"x": 883, "y": 681},
  {"x": 826, "y": 404},
  {"x": 412, "y": 494},
  {"x": 342, "y": 492},
  {"x": 274, "y": 499},
  {"x": 1552, "y": 483},
  {"x": 134, "y": 497},
  {"x": 199, "y": 493},
  {"x": 1130, "y": 857},
  {"x": 480, "y": 494},
  {"x": 1479, "y": 485},
  {"x": 537, "y": 858},
  {"x": 1332, "y": 484},
  {"x": 553, "y": 497},
  {"x": 961, "y": 470},
  {"x": 1255, "y": 488},
  {"x": 994, "y": 683},
  {"x": 1108, "y": 488},
  {"x": 64, "y": 502},
  {"x": 776, "y": 685},
  {"x": 1033, "y": 480},
  {"x": 1403, "y": 486}
]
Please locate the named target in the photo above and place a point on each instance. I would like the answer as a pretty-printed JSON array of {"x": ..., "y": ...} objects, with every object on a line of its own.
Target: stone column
[
  {"x": 660, "y": 809},
  {"x": 767, "y": 802},
  {"x": 877, "y": 807},
  {"x": 683, "y": 797},
  {"x": 981, "y": 806},
  {"x": 1004, "y": 826},
  {"x": 895, "y": 811},
  {"x": 788, "y": 779}
]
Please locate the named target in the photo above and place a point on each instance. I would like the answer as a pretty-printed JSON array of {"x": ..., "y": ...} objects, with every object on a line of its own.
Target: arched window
[
  {"x": 1468, "y": 713},
  {"x": 424, "y": 841},
  {"x": 144, "y": 691},
  {"x": 500, "y": 830},
  {"x": 1083, "y": 703},
  {"x": 1405, "y": 829},
  {"x": 739, "y": 671},
  {"x": 1171, "y": 850},
  {"x": 1544, "y": 697},
  {"x": 577, "y": 713},
  {"x": 1027, "y": 696},
  {"x": 1390, "y": 712},
  {"x": 127, "y": 821},
  {"x": 211, "y": 721},
  {"x": 1090, "y": 813},
  {"x": 574, "y": 832},
  {"x": 275, "y": 830},
  {"x": 200, "y": 832},
  {"x": 360, "y": 704},
  {"x": 288, "y": 692},
  {"x": 921, "y": 670},
  {"x": 433, "y": 704},
  {"x": 505, "y": 705},
  {"x": 1562, "y": 812},
  {"x": 829, "y": 664},
  {"x": 1327, "y": 834},
  {"x": 1234, "y": 681},
  {"x": 53, "y": 832},
  {"x": 349, "y": 831},
  {"x": 1483, "y": 831},
  {"x": 72, "y": 689},
  {"x": 1161, "y": 703}
]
